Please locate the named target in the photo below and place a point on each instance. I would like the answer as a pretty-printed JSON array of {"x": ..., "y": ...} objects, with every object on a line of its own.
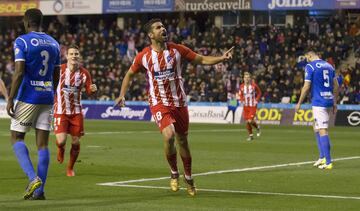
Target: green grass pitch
[{"x": 231, "y": 173}]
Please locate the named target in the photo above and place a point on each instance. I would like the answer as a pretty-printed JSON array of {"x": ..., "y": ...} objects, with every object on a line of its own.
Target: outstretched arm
[
  {"x": 209, "y": 60},
  {"x": 124, "y": 87},
  {"x": 304, "y": 92}
]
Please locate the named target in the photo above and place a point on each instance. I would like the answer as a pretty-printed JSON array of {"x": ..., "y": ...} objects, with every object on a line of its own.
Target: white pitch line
[
  {"x": 126, "y": 183},
  {"x": 191, "y": 131},
  {"x": 247, "y": 192},
  {"x": 224, "y": 171},
  {"x": 155, "y": 131},
  {"x": 147, "y": 132}
]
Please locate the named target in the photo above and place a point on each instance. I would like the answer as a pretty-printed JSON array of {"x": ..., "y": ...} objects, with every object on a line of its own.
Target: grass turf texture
[{"x": 113, "y": 151}]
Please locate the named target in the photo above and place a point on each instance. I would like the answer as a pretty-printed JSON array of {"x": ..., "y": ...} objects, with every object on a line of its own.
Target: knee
[
  {"x": 168, "y": 133},
  {"x": 19, "y": 136},
  {"x": 16, "y": 136},
  {"x": 182, "y": 141},
  {"x": 75, "y": 140},
  {"x": 169, "y": 136}
]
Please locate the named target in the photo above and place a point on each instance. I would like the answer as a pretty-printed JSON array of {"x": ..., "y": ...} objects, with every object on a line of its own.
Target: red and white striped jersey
[
  {"x": 249, "y": 94},
  {"x": 68, "y": 93},
  {"x": 163, "y": 71}
]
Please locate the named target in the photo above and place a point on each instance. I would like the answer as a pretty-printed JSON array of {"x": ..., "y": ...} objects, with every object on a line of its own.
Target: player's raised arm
[
  {"x": 124, "y": 87},
  {"x": 210, "y": 60},
  {"x": 15, "y": 84}
]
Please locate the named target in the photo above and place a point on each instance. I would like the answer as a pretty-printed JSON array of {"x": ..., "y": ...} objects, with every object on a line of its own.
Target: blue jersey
[
  {"x": 321, "y": 75},
  {"x": 41, "y": 54}
]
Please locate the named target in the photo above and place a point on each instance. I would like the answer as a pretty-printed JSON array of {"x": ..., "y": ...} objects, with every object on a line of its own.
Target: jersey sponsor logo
[
  {"x": 163, "y": 75},
  {"x": 354, "y": 118},
  {"x": 323, "y": 65},
  {"x": 36, "y": 42},
  {"x": 70, "y": 89},
  {"x": 17, "y": 50},
  {"x": 42, "y": 86},
  {"x": 326, "y": 95},
  {"x": 41, "y": 83}
]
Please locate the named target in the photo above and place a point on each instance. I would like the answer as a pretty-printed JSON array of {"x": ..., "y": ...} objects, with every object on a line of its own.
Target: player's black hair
[
  {"x": 34, "y": 17},
  {"x": 147, "y": 26}
]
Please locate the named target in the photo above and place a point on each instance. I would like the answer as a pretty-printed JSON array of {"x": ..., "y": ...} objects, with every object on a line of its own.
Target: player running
[
  {"x": 249, "y": 95},
  {"x": 162, "y": 63},
  {"x": 320, "y": 77},
  {"x": 68, "y": 117},
  {"x": 37, "y": 60}
]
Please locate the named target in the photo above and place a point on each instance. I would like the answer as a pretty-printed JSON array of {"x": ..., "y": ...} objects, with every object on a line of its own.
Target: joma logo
[{"x": 290, "y": 3}]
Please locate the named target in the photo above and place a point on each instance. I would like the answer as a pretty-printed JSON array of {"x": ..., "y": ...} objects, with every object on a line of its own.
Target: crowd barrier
[{"x": 267, "y": 113}]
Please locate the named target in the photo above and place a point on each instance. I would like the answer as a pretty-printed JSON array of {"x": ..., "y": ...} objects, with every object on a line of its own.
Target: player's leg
[
  {"x": 61, "y": 125},
  {"x": 76, "y": 129},
  {"x": 42, "y": 141},
  {"x": 321, "y": 116},
  {"x": 253, "y": 121},
  {"x": 60, "y": 143},
  {"x": 74, "y": 154},
  {"x": 164, "y": 121},
  {"x": 325, "y": 143},
  {"x": 184, "y": 151},
  {"x": 233, "y": 115},
  {"x": 43, "y": 125},
  {"x": 321, "y": 159},
  {"x": 181, "y": 116},
  {"x": 171, "y": 155},
  {"x": 227, "y": 112},
  {"x": 249, "y": 129},
  {"x": 248, "y": 119},
  {"x": 20, "y": 124}
]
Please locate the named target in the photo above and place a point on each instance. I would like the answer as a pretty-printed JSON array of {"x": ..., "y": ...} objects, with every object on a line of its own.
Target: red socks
[
  {"x": 249, "y": 128},
  {"x": 74, "y": 153},
  {"x": 253, "y": 123}
]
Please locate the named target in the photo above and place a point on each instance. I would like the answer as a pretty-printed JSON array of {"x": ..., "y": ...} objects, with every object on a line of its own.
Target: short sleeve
[
  {"x": 20, "y": 48},
  {"x": 137, "y": 63},
  {"x": 309, "y": 72},
  {"x": 186, "y": 52}
]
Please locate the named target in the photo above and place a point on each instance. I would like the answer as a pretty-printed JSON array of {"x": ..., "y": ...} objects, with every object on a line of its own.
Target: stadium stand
[{"x": 269, "y": 52}]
